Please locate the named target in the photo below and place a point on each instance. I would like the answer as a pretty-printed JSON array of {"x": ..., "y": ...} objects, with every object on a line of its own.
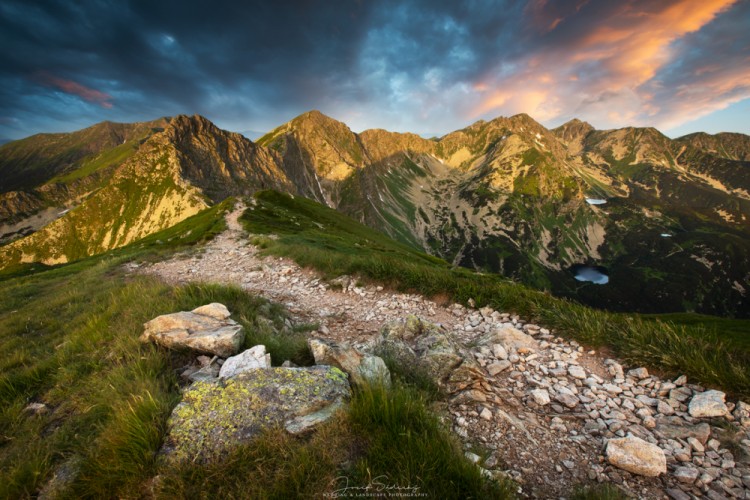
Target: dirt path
[{"x": 549, "y": 448}]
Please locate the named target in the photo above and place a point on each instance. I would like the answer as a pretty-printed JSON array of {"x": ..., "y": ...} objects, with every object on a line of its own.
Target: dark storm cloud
[{"x": 418, "y": 65}]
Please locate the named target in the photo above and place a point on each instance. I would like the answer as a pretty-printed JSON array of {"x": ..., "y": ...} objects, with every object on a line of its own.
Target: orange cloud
[
  {"x": 70, "y": 87},
  {"x": 606, "y": 51}
]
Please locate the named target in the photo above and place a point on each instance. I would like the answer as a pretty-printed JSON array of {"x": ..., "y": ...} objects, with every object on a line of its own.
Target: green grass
[
  {"x": 318, "y": 237},
  {"x": 407, "y": 447},
  {"x": 108, "y": 158},
  {"x": 386, "y": 437},
  {"x": 604, "y": 491},
  {"x": 73, "y": 334}
]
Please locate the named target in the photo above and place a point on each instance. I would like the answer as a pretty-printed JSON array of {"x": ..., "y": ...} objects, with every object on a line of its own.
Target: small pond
[
  {"x": 595, "y": 201},
  {"x": 594, "y": 274}
]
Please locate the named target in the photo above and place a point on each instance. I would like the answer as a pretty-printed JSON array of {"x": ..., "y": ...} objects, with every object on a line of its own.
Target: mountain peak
[{"x": 573, "y": 131}]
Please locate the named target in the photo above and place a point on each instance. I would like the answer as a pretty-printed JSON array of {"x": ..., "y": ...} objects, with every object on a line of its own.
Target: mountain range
[{"x": 666, "y": 221}]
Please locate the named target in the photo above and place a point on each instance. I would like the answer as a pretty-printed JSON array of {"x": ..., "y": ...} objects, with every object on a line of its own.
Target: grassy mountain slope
[
  {"x": 30, "y": 162},
  {"x": 171, "y": 176}
]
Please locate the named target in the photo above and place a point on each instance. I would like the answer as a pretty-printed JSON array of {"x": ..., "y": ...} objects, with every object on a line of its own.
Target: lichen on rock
[{"x": 215, "y": 416}]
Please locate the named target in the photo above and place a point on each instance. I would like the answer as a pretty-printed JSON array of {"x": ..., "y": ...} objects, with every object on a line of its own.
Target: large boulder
[
  {"x": 708, "y": 404},
  {"x": 206, "y": 329},
  {"x": 215, "y": 416},
  {"x": 637, "y": 456},
  {"x": 362, "y": 368}
]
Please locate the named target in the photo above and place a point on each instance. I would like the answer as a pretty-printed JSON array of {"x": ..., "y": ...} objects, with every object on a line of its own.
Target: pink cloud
[
  {"x": 602, "y": 62},
  {"x": 74, "y": 88}
]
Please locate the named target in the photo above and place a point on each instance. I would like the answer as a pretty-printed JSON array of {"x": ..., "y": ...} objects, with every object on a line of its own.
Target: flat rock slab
[
  {"x": 637, "y": 456},
  {"x": 215, "y": 416},
  {"x": 677, "y": 428},
  {"x": 205, "y": 329}
]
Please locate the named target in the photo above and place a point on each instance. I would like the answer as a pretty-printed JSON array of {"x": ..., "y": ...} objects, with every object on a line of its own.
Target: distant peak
[
  {"x": 575, "y": 122},
  {"x": 314, "y": 115}
]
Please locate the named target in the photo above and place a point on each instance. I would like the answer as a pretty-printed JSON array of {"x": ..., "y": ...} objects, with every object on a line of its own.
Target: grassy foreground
[
  {"x": 69, "y": 335},
  {"x": 712, "y": 351}
]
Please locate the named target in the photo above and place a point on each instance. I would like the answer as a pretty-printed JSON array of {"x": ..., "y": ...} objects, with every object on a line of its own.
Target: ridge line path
[{"x": 547, "y": 406}]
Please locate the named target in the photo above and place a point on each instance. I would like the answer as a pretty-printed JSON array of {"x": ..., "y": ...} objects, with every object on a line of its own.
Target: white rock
[
  {"x": 576, "y": 371},
  {"x": 638, "y": 373},
  {"x": 213, "y": 310},
  {"x": 695, "y": 445},
  {"x": 637, "y": 456},
  {"x": 499, "y": 351},
  {"x": 497, "y": 367},
  {"x": 486, "y": 414},
  {"x": 612, "y": 389},
  {"x": 540, "y": 396},
  {"x": 686, "y": 475},
  {"x": 251, "y": 359},
  {"x": 708, "y": 404}
]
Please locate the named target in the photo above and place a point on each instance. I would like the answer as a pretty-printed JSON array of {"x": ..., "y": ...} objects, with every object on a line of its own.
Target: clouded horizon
[{"x": 428, "y": 67}]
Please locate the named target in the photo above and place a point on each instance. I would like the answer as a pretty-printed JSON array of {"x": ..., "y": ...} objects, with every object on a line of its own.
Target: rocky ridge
[{"x": 526, "y": 403}]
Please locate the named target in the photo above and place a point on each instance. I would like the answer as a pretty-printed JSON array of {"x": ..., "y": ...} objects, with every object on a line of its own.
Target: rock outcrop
[{"x": 206, "y": 329}]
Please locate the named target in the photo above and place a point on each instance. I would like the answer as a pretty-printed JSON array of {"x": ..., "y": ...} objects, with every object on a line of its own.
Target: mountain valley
[{"x": 507, "y": 196}]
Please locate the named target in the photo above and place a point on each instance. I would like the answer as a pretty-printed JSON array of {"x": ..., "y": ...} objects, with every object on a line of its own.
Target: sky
[{"x": 428, "y": 67}]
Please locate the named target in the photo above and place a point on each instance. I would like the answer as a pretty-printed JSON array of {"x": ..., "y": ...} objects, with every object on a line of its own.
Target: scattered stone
[
  {"x": 695, "y": 445},
  {"x": 677, "y": 494},
  {"x": 686, "y": 475},
  {"x": 637, "y": 456},
  {"x": 566, "y": 399},
  {"x": 36, "y": 409},
  {"x": 486, "y": 414},
  {"x": 577, "y": 372},
  {"x": 638, "y": 373},
  {"x": 612, "y": 389},
  {"x": 362, "y": 368},
  {"x": 195, "y": 331},
  {"x": 708, "y": 404},
  {"x": 213, "y": 417},
  {"x": 208, "y": 372},
  {"x": 540, "y": 396},
  {"x": 251, "y": 359},
  {"x": 498, "y": 367},
  {"x": 741, "y": 413},
  {"x": 499, "y": 351}
]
